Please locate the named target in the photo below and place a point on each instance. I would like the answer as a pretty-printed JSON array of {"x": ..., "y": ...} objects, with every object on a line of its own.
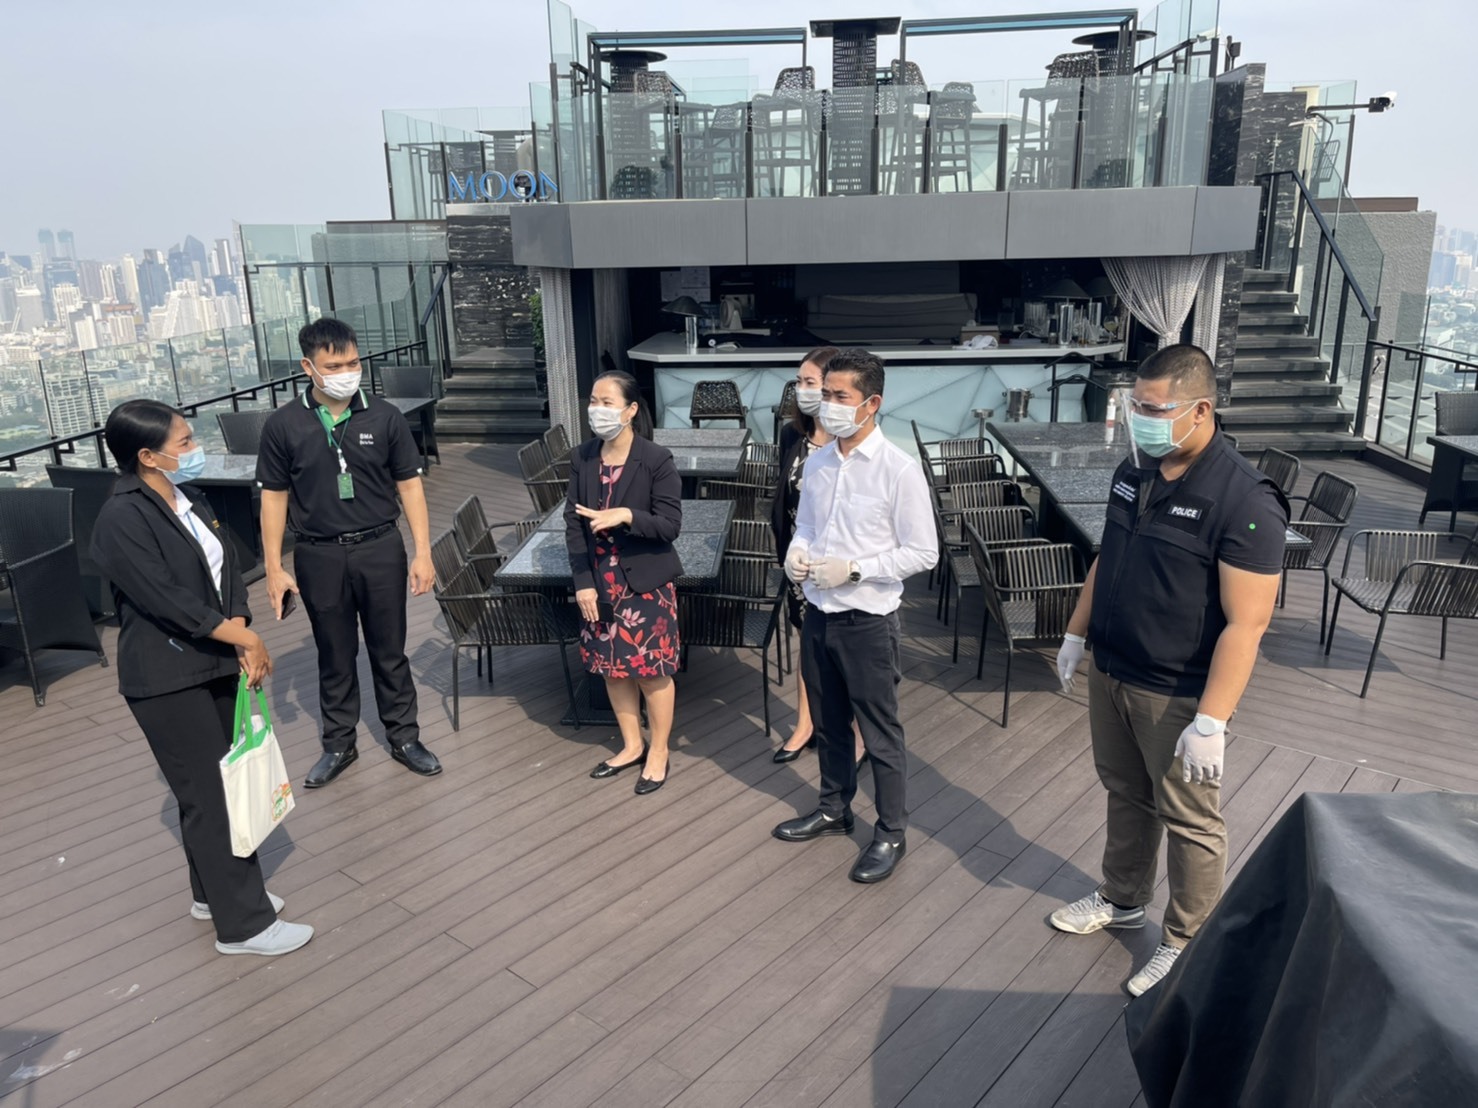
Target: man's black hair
[
  {"x": 865, "y": 367},
  {"x": 333, "y": 335},
  {"x": 1189, "y": 369}
]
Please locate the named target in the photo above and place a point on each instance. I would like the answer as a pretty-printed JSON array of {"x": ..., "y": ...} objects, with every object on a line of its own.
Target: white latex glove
[
  {"x": 1069, "y": 658},
  {"x": 796, "y": 565},
  {"x": 828, "y": 573},
  {"x": 1202, "y": 756}
]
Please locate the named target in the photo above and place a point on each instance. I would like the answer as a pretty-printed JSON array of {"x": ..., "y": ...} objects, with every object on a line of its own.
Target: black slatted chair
[
  {"x": 985, "y": 467},
  {"x": 242, "y": 431},
  {"x": 784, "y": 411},
  {"x": 475, "y": 542},
  {"x": 91, "y": 489},
  {"x": 716, "y": 400},
  {"x": 414, "y": 382},
  {"x": 557, "y": 447},
  {"x": 479, "y": 619},
  {"x": 752, "y": 490},
  {"x": 737, "y": 619},
  {"x": 446, "y": 558},
  {"x": 48, "y": 604},
  {"x": 933, "y": 452},
  {"x": 949, "y": 502},
  {"x": 1030, "y": 591},
  {"x": 1325, "y": 514},
  {"x": 1281, "y": 466},
  {"x": 1402, "y": 577},
  {"x": 751, "y": 536},
  {"x": 999, "y": 527},
  {"x": 1457, "y": 414}
]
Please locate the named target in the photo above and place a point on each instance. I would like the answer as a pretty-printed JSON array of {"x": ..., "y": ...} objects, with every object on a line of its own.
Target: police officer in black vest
[{"x": 337, "y": 466}]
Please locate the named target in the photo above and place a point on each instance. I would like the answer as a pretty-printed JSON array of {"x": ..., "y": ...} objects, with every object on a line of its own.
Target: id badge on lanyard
[{"x": 346, "y": 479}]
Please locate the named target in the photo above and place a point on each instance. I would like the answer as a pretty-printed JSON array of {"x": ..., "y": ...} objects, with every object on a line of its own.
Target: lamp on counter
[
  {"x": 1105, "y": 300},
  {"x": 690, "y": 310},
  {"x": 1065, "y": 291}
]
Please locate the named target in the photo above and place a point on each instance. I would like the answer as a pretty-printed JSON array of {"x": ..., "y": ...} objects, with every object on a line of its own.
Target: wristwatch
[
  {"x": 1209, "y": 725},
  {"x": 856, "y": 573}
]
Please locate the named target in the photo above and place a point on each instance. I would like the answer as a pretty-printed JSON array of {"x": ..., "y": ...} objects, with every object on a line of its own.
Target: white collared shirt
[{"x": 871, "y": 507}]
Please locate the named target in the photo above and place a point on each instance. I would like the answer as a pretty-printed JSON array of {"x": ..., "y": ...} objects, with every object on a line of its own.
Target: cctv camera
[{"x": 1382, "y": 102}]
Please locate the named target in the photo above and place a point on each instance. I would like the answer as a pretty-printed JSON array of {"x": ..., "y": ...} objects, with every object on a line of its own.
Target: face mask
[
  {"x": 839, "y": 420},
  {"x": 605, "y": 422},
  {"x": 339, "y": 386},
  {"x": 808, "y": 401},
  {"x": 191, "y": 466},
  {"x": 1156, "y": 436}
]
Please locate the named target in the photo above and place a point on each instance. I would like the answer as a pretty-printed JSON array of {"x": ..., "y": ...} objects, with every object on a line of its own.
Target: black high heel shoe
[
  {"x": 605, "y": 769},
  {"x": 782, "y": 755}
]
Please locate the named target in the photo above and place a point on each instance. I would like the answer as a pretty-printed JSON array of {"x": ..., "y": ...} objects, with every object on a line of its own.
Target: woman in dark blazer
[
  {"x": 183, "y": 643},
  {"x": 622, "y": 515},
  {"x": 799, "y": 439}
]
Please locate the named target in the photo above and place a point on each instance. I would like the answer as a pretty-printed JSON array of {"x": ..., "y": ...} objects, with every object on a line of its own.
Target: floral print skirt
[{"x": 642, "y": 641}]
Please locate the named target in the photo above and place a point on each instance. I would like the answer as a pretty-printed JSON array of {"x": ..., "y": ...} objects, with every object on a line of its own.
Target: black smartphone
[{"x": 289, "y": 604}]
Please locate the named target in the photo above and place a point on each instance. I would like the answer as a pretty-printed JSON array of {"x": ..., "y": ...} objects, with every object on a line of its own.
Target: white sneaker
[
  {"x": 1093, "y": 913},
  {"x": 281, "y": 938},
  {"x": 202, "y": 911},
  {"x": 1157, "y": 967}
]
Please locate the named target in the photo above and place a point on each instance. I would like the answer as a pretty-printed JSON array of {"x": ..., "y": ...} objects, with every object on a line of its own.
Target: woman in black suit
[
  {"x": 622, "y": 514},
  {"x": 183, "y": 643}
]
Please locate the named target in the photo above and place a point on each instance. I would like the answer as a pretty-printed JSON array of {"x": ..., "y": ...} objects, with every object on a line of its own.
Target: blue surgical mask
[
  {"x": 191, "y": 465},
  {"x": 1156, "y": 437}
]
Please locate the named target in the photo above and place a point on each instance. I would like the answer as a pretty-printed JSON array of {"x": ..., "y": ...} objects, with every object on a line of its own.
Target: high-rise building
[
  {"x": 7, "y": 302},
  {"x": 48, "y": 245},
  {"x": 30, "y": 311},
  {"x": 225, "y": 258},
  {"x": 69, "y": 403},
  {"x": 65, "y": 299},
  {"x": 154, "y": 282},
  {"x": 108, "y": 278},
  {"x": 129, "y": 271},
  {"x": 66, "y": 246},
  {"x": 195, "y": 250},
  {"x": 90, "y": 279}
]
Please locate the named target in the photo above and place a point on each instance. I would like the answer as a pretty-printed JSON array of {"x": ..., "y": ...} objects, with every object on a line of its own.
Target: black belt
[
  {"x": 852, "y": 615},
  {"x": 349, "y": 538}
]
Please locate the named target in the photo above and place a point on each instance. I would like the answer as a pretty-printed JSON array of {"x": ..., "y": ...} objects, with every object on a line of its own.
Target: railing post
[
  {"x": 1003, "y": 139},
  {"x": 1339, "y": 331},
  {"x": 1371, "y": 337},
  {"x": 749, "y": 151},
  {"x": 1416, "y": 402},
  {"x": 1298, "y": 233},
  {"x": 823, "y": 150},
  {"x": 1314, "y": 289},
  {"x": 677, "y": 161}
]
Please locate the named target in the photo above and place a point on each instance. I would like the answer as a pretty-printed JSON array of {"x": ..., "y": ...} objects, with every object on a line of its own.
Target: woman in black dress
[
  {"x": 799, "y": 439},
  {"x": 622, "y": 515}
]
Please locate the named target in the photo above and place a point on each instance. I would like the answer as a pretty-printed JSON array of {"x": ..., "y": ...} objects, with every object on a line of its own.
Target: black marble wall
[{"x": 490, "y": 295}]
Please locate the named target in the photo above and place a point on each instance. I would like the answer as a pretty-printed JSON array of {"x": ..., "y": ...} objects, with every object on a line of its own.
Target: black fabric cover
[{"x": 1340, "y": 968}]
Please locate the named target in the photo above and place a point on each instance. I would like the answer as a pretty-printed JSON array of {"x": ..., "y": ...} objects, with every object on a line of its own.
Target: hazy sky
[{"x": 135, "y": 124}]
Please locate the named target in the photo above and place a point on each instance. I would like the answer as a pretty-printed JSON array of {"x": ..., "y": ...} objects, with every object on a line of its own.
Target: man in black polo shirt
[
  {"x": 1175, "y": 607},
  {"x": 337, "y": 465}
]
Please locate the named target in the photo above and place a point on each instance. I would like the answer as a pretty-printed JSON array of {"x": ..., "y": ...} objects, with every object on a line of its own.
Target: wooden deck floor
[{"x": 512, "y": 932}]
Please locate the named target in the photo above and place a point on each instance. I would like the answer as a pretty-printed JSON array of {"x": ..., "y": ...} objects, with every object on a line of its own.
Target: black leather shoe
[
  {"x": 330, "y": 766},
  {"x": 605, "y": 769},
  {"x": 878, "y": 861},
  {"x": 645, "y": 784},
  {"x": 416, "y": 758},
  {"x": 818, "y": 823},
  {"x": 782, "y": 755}
]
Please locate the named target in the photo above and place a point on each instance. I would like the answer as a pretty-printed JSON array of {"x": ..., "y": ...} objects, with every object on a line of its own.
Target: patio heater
[{"x": 690, "y": 310}]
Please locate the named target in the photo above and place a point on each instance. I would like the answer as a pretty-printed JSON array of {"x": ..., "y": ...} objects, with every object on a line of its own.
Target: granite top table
[
  {"x": 698, "y": 515},
  {"x": 543, "y": 560},
  {"x": 1088, "y": 521},
  {"x": 228, "y": 469},
  {"x": 675, "y": 438}
]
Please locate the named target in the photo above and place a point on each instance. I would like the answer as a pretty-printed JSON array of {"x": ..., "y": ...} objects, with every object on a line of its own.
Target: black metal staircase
[{"x": 493, "y": 395}]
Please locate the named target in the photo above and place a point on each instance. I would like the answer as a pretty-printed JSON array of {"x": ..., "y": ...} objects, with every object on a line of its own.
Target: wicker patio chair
[
  {"x": 1325, "y": 515},
  {"x": 242, "y": 431},
  {"x": 1281, "y": 466},
  {"x": 48, "y": 605},
  {"x": 478, "y": 619},
  {"x": 1030, "y": 591}
]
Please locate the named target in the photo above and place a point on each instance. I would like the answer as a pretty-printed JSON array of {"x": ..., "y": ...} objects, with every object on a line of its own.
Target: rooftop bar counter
[{"x": 941, "y": 386}]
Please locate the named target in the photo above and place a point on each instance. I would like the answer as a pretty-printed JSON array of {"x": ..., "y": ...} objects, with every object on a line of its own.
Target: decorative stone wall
[{"x": 490, "y": 295}]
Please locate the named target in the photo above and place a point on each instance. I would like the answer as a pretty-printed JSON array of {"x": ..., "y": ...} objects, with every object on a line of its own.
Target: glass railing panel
[
  {"x": 72, "y": 403},
  {"x": 1047, "y": 135},
  {"x": 1187, "y": 131},
  {"x": 24, "y": 419},
  {"x": 201, "y": 367},
  {"x": 562, "y": 46},
  {"x": 903, "y": 111},
  {"x": 241, "y": 356},
  {"x": 1110, "y": 122},
  {"x": 637, "y": 129}
]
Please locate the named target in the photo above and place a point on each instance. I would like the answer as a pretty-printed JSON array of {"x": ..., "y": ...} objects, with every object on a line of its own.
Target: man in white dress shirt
[{"x": 863, "y": 525}]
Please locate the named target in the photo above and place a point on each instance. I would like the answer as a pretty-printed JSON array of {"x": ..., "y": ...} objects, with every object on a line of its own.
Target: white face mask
[
  {"x": 840, "y": 420},
  {"x": 606, "y": 422},
  {"x": 339, "y": 386},
  {"x": 808, "y": 401}
]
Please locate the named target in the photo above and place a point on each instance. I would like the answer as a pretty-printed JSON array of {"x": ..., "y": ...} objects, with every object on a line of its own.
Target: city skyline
[{"x": 293, "y": 136}]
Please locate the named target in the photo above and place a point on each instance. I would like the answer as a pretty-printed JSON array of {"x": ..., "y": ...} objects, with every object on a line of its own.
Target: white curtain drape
[
  {"x": 1159, "y": 291},
  {"x": 1208, "y": 305},
  {"x": 559, "y": 350}
]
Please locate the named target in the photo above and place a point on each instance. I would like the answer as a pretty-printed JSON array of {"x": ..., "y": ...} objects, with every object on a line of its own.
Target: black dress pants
[
  {"x": 849, "y": 661},
  {"x": 189, "y": 732},
  {"x": 344, "y": 587}
]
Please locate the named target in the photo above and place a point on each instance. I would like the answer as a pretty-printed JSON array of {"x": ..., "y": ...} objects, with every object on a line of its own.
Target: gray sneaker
[
  {"x": 202, "y": 911},
  {"x": 281, "y": 938},
  {"x": 1157, "y": 967},
  {"x": 1093, "y": 913}
]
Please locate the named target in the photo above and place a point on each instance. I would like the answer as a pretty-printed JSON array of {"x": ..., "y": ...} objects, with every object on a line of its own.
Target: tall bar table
[{"x": 854, "y": 78}]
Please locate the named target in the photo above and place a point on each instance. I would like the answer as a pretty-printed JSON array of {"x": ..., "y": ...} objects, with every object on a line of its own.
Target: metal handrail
[
  {"x": 1461, "y": 363},
  {"x": 1324, "y": 229}
]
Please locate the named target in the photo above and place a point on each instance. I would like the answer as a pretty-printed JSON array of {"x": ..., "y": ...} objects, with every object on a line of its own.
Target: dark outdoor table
[
  {"x": 1451, "y": 454},
  {"x": 1085, "y": 523},
  {"x": 1070, "y": 463},
  {"x": 1337, "y": 969},
  {"x": 542, "y": 562},
  {"x": 698, "y": 515},
  {"x": 675, "y": 438},
  {"x": 424, "y": 409},
  {"x": 700, "y": 452},
  {"x": 230, "y": 482}
]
